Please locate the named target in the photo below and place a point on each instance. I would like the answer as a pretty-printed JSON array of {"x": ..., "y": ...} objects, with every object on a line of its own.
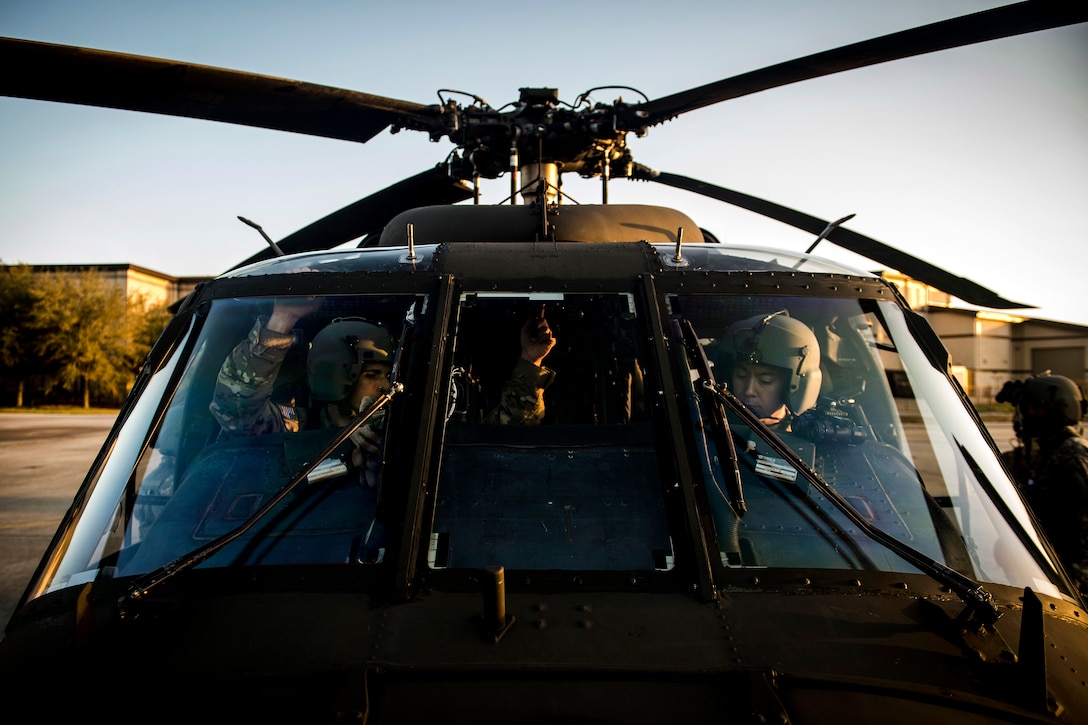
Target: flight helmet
[
  {"x": 1049, "y": 402},
  {"x": 778, "y": 339},
  {"x": 337, "y": 355}
]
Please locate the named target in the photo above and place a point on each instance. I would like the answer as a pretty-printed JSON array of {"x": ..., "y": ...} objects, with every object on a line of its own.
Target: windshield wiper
[
  {"x": 979, "y": 602},
  {"x": 143, "y": 585},
  {"x": 723, "y": 437}
]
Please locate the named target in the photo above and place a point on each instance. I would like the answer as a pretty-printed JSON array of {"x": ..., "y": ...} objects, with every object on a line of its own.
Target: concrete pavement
[{"x": 43, "y": 461}]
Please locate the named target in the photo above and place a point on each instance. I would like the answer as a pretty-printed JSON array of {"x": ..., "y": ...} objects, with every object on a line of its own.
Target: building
[
  {"x": 32, "y": 385},
  {"x": 133, "y": 279},
  {"x": 989, "y": 348}
]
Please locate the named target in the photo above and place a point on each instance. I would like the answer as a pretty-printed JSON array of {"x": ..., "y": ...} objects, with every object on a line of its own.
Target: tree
[
  {"x": 17, "y": 361},
  {"x": 84, "y": 325},
  {"x": 149, "y": 319}
]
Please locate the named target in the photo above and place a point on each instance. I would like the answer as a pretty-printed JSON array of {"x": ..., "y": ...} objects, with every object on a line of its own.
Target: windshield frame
[
  {"x": 420, "y": 448},
  {"x": 988, "y": 474},
  {"x": 82, "y": 538}
]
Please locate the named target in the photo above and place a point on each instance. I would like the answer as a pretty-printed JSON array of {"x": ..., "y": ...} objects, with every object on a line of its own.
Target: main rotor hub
[{"x": 541, "y": 133}]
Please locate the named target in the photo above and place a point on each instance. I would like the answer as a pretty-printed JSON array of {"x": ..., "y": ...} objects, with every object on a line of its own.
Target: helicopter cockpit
[
  {"x": 646, "y": 485},
  {"x": 629, "y": 448},
  {"x": 864, "y": 437},
  {"x": 581, "y": 490}
]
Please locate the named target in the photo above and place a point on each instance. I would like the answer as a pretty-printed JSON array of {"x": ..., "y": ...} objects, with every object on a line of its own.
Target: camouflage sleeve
[
  {"x": 522, "y": 401},
  {"x": 241, "y": 402}
]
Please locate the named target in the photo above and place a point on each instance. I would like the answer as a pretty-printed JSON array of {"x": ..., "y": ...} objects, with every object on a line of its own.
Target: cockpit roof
[{"x": 412, "y": 241}]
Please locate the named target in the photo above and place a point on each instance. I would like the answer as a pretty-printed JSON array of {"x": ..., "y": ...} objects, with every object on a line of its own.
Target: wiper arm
[
  {"x": 979, "y": 601},
  {"x": 723, "y": 437},
  {"x": 143, "y": 585}
]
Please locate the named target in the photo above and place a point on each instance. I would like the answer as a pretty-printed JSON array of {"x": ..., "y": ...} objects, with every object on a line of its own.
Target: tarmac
[{"x": 44, "y": 458}]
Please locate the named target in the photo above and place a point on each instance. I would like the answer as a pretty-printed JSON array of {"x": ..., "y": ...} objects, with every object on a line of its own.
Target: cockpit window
[
  {"x": 856, "y": 401},
  {"x": 548, "y": 459},
  {"x": 266, "y": 385}
]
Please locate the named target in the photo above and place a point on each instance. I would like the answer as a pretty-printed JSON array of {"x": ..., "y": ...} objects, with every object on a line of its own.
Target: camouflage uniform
[
  {"x": 1057, "y": 492},
  {"x": 522, "y": 401},
  {"x": 242, "y": 402}
]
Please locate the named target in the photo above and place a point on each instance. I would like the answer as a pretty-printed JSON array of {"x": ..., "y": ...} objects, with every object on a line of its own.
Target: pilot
[
  {"x": 522, "y": 399},
  {"x": 1050, "y": 408},
  {"x": 347, "y": 367},
  {"x": 775, "y": 361}
]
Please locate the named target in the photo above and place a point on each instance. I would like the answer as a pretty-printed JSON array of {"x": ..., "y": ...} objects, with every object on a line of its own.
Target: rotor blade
[
  {"x": 370, "y": 214},
  {"x": 881, "y": 253},
  {"x": 1002, "y": 22},
  {"x": 68, "y": 74}
]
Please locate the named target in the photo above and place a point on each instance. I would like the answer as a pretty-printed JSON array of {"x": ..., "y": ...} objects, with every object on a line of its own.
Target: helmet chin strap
[
  {"x": 346, "y": 409},
  {"x": 339, "y": 412}
]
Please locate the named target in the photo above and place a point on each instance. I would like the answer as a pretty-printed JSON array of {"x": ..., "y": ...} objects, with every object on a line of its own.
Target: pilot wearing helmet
[
  {"x": 775, "y": 363},
  {"x": 348, "y": 365}
]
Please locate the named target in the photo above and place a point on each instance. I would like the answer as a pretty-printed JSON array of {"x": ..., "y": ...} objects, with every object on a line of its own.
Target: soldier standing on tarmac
[{"x": 1052, "y": 464}]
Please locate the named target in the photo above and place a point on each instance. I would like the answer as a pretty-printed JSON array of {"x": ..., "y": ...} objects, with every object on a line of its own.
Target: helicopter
[{"x": 648, "y": 550}]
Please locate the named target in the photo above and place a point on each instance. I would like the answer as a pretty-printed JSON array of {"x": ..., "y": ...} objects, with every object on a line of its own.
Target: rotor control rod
[
  {"x": 411, "y": 242},
  {"x": 514, "y": 174},
  {"x": 606, "y": 168}
]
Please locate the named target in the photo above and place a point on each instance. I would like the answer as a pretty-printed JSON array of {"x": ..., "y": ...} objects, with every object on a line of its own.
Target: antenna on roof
[{"x": 275, "y": 247}]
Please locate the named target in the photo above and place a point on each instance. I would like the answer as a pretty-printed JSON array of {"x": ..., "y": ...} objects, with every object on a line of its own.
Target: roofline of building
[{"x": 120, "y": 267}]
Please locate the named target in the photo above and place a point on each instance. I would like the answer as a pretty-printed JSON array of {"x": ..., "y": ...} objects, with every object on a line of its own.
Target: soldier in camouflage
[
  {"x": 1055, "y": 479},
  {"x": 522, "y": 400},
  {"x": 349, "y": 362}
]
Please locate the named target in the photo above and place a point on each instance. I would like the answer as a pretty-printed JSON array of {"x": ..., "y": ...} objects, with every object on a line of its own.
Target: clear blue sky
[{"x": 974, "y": 159}]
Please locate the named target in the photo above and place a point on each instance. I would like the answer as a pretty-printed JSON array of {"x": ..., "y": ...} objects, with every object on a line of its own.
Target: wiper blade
[
  {"x": 979, "y": 602},
  {"x": 723, "y": 437},
  {"x": 145, "y": 584}
]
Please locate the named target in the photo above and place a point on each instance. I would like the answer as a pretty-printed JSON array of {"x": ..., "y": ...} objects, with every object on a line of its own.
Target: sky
[{"x": 973, "y": 159}]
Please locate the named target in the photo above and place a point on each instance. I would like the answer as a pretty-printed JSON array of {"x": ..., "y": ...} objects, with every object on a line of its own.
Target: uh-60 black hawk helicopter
[{"x": 651, "y": 550}]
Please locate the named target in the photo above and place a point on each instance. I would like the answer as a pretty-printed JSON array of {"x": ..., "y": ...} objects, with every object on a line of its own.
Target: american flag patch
[{"x": 290, "y": 418}]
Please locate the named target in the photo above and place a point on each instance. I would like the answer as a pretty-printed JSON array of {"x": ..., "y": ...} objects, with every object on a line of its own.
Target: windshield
[
  {"x": 548, "y": 431},
  {"x": 845, "y": 385},
  {"x": 245, "y": 418},
  {"x": 549, "y": 461}
]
